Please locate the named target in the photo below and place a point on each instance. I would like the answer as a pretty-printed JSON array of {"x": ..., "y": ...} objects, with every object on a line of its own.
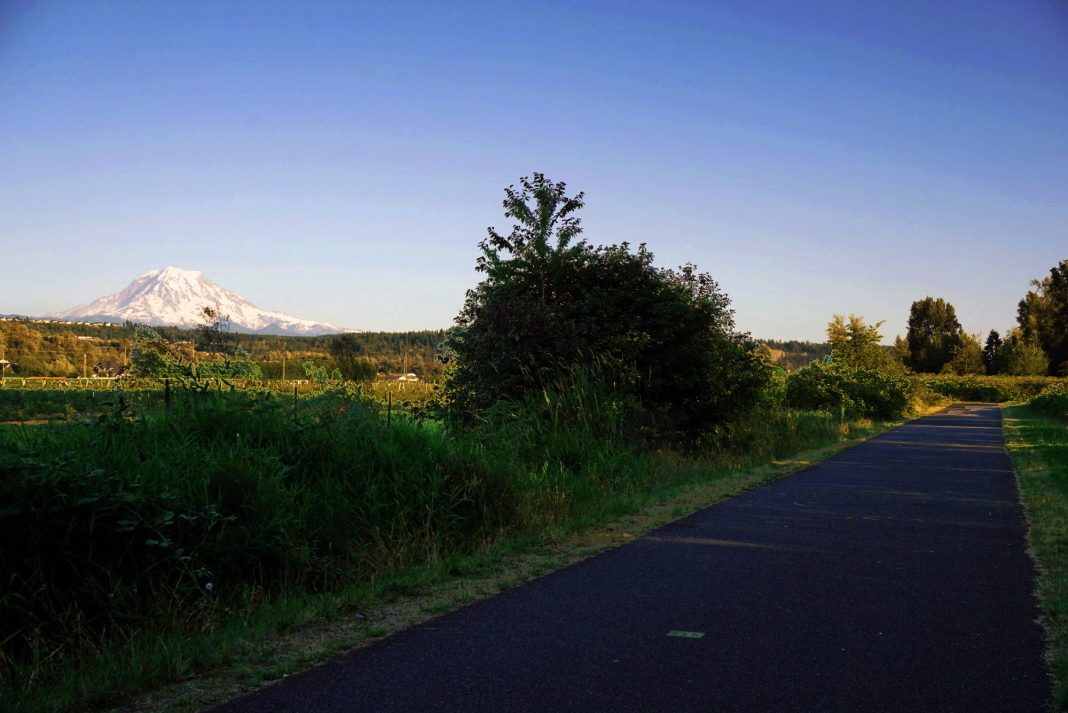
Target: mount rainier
[{"x": 176, "y": 297}]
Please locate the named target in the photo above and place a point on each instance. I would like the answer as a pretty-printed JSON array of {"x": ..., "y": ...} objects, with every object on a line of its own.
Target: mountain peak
[
  {"x": 174, "y": 296},
  {"x": 174, "y": 273}
]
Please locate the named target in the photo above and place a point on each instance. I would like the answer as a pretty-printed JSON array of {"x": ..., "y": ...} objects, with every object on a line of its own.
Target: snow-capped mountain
[{"x": 176, "y": 297}]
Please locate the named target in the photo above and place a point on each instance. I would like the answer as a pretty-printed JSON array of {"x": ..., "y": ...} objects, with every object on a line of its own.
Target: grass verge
[
  {"x": 1038, "y": 446},
  {"x": 292, "y": 633}
]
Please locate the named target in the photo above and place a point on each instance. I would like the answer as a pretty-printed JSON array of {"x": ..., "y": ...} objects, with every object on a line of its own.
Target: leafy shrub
[
  {"x": 985, "y": 388},
  {"x": 1053, "y": 401},
  {"x": 858, "y": 391}
]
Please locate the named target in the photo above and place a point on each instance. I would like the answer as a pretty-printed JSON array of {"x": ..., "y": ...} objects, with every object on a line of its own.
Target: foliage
[
  {"x": 992, "y": 353},
  {"x": 933, "y": 334},
  {"x": 856, "y": 345},
  {"x": 347, "y": 352},
  {"x": 1021, "y": 355},
  {"x": 110, "y": 523},
  {"x": 974, "y": 387},
  {"x": 859, "y": 378},
  {"x": 319, "y": 375},
  {"x": 214, "y": 331},
  {"x": 793, "y": 354},
  {"x": 1043, "y": 317},
  {"x": 42, "y": 348},
  {"x": 550, "y": 302},
  {"x": 1053, "y": 400},
  {"x": 237, "y": 366},
  {"x": 153, "y": 356},
  {"x": 850, "y": 391},
  {"x": 967, "y": 357}
]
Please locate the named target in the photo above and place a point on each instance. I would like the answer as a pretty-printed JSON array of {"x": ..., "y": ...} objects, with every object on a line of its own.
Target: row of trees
[
  {"x": 936, "y": 342},
  {"x": 68, "y": 350}
]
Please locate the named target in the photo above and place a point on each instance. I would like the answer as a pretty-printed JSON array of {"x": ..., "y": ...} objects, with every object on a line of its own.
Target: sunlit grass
[{"x": 1038, "y": 446}]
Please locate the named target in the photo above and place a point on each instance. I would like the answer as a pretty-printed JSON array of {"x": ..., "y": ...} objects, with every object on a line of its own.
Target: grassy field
[
  {"x": 150, "y": 543},
  {"x": 1038, "y": 445}
]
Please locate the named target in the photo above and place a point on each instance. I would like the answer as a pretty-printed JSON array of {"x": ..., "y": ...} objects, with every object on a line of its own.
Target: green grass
[
  {"x": 299, "y": 511},
  {"x": 1038, "y": 446}
]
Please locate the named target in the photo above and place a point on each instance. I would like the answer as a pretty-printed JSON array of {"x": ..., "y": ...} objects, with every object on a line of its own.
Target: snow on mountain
[{"x": 176, "y": 297}]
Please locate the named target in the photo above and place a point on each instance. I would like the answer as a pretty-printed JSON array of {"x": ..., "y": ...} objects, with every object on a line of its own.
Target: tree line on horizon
[{"x": 1038, "y": 344}]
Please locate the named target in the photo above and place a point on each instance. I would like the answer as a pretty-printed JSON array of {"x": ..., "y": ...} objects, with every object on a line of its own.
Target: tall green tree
[
  {"x": 967, "y": 357},
  {"x": 857, "y": 345},
  {"x": 550, "y": 301},
  {"x": 213, "y": 332},
  {"x": 933, "y": 334},
  {"x": 1043, "y": 316},
  {"x": 346, "y": 350},
  {"x": 992, "y": 352},
  {"x": 543, "y": 238},
  {"x": 1022, "y": 355}
]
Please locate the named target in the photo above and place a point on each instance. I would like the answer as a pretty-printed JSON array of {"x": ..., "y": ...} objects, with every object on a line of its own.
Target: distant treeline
[{"x": 67, "y": 349}]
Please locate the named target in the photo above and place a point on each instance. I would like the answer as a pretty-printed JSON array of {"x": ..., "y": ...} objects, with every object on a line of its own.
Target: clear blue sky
[{"x": 340, "y": 161}]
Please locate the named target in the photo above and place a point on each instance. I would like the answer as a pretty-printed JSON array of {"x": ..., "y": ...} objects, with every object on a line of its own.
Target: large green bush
[
  {"x": 859, "y": 378},
  {"x": 1053, "y": 400},
  {"x": 853, "y": 391},
  {"x": 549, "y": 303}
]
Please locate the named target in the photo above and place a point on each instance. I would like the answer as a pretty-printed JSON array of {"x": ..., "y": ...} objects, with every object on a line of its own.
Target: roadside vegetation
[
  {"x": 152, "y": 528},
  {"x": 1037, "y": 440}
]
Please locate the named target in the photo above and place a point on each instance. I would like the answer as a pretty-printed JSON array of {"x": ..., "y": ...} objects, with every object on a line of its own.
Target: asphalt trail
[{"x": 892, "y": 577}]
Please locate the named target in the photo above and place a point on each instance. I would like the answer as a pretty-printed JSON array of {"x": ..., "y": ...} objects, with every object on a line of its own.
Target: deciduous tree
[
  {"x": 967, "y": 357},
  {"x": 1043, "y": 316},
  {"x": 992, "y": 352},
  {"x": 933, "y": 334}
]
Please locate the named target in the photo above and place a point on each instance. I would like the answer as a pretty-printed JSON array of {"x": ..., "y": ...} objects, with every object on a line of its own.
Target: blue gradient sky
[{"x": 340, "y": 161}]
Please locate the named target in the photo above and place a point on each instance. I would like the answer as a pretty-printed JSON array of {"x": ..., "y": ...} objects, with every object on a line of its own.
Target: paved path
[{"x": 892, "y": 577}]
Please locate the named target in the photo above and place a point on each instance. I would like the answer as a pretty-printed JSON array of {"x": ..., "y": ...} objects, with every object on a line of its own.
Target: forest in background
[{"x": 68, "y": 349}]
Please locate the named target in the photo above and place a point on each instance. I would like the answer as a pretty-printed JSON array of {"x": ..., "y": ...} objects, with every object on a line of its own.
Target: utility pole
[
  {"x": 85, "y": 366},
  {"x": 283, "y": 368}
]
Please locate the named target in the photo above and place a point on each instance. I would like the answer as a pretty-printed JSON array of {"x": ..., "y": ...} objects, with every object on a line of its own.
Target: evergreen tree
[{"x": 992, "y": 352}]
